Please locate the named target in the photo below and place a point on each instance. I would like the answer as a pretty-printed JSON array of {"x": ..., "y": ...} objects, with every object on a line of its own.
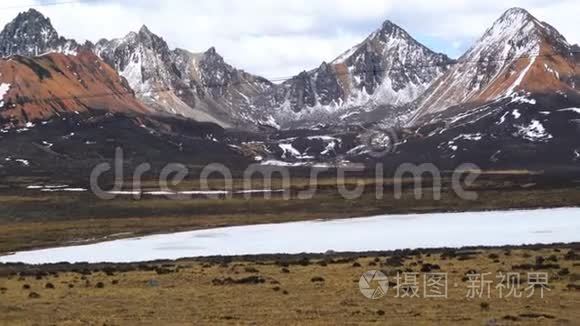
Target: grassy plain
[{"x": 298, "y": 290}]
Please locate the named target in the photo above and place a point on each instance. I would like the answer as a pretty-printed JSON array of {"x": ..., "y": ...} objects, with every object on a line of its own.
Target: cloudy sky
[{"x": 282, "y": 38}]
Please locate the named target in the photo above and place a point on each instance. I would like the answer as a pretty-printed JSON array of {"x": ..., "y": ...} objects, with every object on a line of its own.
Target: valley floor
[
  {"x": 31, "y": 219},
  {"x": 279, "y": 289},
  {"x": 301, "y": 289}
]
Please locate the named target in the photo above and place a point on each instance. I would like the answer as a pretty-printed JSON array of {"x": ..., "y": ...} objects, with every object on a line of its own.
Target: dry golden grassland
[{"x": 300, "y": 290}]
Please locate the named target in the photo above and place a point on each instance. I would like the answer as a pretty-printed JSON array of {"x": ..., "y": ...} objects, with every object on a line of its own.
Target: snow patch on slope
[
  {"x": 535, "y": 131},
  {"x": 4, "y": 88},
  {"x": 576, "y": 110},
  {"x": 522, "y": 99}
]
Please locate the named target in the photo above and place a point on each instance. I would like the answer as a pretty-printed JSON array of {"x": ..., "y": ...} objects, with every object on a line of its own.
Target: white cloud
[{"x": 280, "y": 38}]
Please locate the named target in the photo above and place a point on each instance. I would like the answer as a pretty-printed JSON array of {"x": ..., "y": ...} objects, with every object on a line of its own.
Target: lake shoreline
[
  {"x": 375, "y": 233},
  {"x": 281, "y": 259}
]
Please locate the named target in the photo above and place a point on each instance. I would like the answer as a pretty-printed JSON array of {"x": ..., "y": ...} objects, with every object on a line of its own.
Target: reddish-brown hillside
[{"x": 40, "y": 88}]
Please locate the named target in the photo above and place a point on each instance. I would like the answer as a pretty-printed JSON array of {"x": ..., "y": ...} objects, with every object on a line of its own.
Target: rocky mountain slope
[
  {"x": 201, "y": 86},
  {"x": 34, "y": 89},
  {"x": 536, "y": 132},
  {"x": 513, "y": 96},
  {"x": 512, "y": 101},
  {"x": 387, "y": 70},
  {"x": 44, "y": 75},
  {"x": 74, "y": 144},
  {"x": 517, "y": 54}
]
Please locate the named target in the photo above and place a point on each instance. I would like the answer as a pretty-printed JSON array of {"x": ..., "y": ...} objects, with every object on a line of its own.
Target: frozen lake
[{"x": 386, "y": 232}]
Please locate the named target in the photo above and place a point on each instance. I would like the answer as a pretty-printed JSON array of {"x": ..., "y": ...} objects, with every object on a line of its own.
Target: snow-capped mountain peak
[
  {"x": 32, "y": 34},
  {"x": 194, "y": 85},
  {"x": 391, "y": 30},
  {"x": 32, "y": 23},
  {"x": 144, "y": 30},
  {"x": 517, "y": 53},
  {"x": 387, "y": 35},
  {"x": 515, "y": 14},
  {"x": 212, "y": 51},
  {"x": 388, "y": 68},
  {"x": 513, "y": 34},
  {"x": 212, "y": 57}
]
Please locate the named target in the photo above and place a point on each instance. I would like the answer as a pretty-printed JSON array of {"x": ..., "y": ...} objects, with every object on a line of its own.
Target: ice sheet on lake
[{"x": 387, "y": 232}]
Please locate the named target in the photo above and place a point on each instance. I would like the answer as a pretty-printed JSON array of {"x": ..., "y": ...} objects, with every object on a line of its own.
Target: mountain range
[
  {"x": 388, "y": 69},
  {"x": 516, "y": 90},
  {"x": 201, "y": 86}
]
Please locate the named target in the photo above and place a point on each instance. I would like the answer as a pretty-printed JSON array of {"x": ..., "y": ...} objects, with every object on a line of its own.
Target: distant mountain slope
[
  {"x": 201, "y": 86},
  {"x": 39, "y": 88},
  {"x": 73, "y": 144},
  {"x": 537, "y": 132},
  {"x": 388, "y": 68},
  {"x": 518, "y": 53}
]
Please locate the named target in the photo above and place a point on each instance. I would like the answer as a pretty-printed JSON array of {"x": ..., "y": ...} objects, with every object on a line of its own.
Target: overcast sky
[{"x": 281, "y": 38}]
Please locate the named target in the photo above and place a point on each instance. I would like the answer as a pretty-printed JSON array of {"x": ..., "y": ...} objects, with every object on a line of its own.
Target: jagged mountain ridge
[
  {"x": 511, "y": 101},
  {"x": 201, "y": 86},
  {"x": 517, "y": 54},
  {"x": 375, "y": 80},
  {"x": 368, "y": 82},
  {"x": 32, "y": 34},
  {"x": 490, "y": 103},
  {"x": 389, "y": 68}
]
